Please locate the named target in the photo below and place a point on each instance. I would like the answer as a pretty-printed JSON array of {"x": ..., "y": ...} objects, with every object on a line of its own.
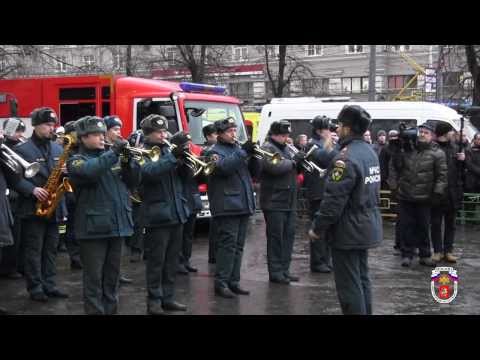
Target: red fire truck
[{"x": 187, "y": 106}]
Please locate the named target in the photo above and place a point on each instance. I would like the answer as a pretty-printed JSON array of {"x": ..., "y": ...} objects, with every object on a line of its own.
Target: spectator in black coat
[{"x": 472, "y": 164}]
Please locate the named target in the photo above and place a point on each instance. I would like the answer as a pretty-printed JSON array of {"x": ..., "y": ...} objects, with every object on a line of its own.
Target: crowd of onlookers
[{"x": 386, "y": 143}]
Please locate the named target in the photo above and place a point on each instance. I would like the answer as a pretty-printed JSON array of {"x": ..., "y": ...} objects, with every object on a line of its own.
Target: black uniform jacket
[
  {"x": 278, "y": 183},
  {"x": 47, "y": 153},
  {"x": 101, "y": 183},
  {"x": 7, "y": 178},
  {"x": 349, "y": 209},
  {"x": 230, "y": 188},
  {"x": 313, "y": 182},
  {"x": 163, "y": 191}
]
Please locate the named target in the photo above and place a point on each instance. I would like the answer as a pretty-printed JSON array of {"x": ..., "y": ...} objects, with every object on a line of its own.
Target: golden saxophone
[{"x": 56, "y": 186}]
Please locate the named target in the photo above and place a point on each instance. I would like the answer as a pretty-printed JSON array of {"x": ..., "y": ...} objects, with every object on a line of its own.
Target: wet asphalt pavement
[{"x": 396, "y": 290}]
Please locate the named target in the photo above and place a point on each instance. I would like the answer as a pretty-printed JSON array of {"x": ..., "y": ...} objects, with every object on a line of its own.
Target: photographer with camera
[{"x": 418, "y": 171}]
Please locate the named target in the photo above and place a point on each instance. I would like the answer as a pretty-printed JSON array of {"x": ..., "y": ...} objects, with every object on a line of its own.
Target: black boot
[
  {"x": 182, "y": 270},
  {"x": 238, "y": 290},
  {"x": 57, "y": 293},
  {"x": 155, "y": 309},
  {"x": 124, "y": 280},
  {"x": 190, "y": 268},
  {"x": 173, "y": 306},
  {"x": 224, "y": 292}
]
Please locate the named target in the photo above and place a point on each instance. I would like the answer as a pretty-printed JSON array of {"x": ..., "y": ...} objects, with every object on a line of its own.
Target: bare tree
[
  {"x": 472, "y": 53},
  {"x": 283, "y": 68},
  {"x": 13, "y": 58},
  {"x": 457, "y": 71},
  {"x": 201, "y": 61}
]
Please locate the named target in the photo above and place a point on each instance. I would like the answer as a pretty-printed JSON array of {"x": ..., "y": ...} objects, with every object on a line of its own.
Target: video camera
[{"x": 407, "y": 137}]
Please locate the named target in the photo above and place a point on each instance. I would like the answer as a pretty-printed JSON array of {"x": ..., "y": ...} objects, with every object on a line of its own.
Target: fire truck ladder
[{"x": 419, "y": 70}]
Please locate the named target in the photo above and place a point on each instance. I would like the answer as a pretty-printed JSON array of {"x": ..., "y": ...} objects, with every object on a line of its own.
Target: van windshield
[{"x": 203, "y": 113}]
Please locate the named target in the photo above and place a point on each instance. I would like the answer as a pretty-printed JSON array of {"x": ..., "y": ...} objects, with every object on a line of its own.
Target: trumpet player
[
  {"x": 11, "y": 264},
  {"x": 13, "y": 129},
  {"x": 135, "y": 242},
  {"x": 39, "y": 235},
  {"x": 7, "y": 241},
  {"x": 103, "y": 213},
  {"x": 194, "y": 202},
  {"x": 210, "y": 135},
  {"x": 230, "y": 192},
  {"x": 278, "y": 200},
  {"x": 114, "y": 128},
  {"x": 164, "y": 213},
  {"x": 320, "y": 254}
]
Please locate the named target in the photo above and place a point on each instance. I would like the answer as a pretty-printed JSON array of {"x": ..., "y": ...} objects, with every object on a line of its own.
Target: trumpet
[
  {"x": 308, "y": 165},
  {"x": 154, "y": 153},
  {"x": 15, "y": 162},
  {"x": 194, "y": 163},
  {"x": 261, "y": 154}
]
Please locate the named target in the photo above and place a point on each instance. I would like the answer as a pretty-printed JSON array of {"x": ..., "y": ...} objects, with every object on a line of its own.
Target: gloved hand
[
  {"x": 180, "y": 138},
  {"x": 179, "y": 151},
  {"x": 249, "y": 147},
  {"x": 119, "y": 145},
  {"x": 299, "y": 156}
]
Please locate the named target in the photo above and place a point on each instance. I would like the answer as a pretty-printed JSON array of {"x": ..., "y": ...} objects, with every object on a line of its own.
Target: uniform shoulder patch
[
  {"x": 338, "y": 170},
  {"x": 77, "y": 162}
]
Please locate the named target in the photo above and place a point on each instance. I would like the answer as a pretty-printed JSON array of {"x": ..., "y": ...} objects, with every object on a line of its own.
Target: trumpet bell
[
  {"x": 208, "y": 170},
  {"x": 32, "y": 170},
  {"x": 155, "y": 153},
  {"x": 276, "y": 158}
]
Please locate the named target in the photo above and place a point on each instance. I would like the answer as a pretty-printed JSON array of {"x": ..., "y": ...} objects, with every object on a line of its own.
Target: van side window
[{"x": 299, "y": 126}]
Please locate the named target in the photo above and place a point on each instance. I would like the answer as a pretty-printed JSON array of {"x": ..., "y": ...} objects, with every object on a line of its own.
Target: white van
[{"x": 386, "y": 115}]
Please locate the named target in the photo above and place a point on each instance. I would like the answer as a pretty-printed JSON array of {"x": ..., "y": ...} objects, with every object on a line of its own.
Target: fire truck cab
[{"x": 187, "y": 106}]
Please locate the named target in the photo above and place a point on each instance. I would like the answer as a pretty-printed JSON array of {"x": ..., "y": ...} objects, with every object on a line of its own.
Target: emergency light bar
[{"x": 202, "y": 88}]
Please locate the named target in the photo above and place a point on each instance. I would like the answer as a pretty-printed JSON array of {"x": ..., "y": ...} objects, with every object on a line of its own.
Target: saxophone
[{"x": 55, "y": 186}]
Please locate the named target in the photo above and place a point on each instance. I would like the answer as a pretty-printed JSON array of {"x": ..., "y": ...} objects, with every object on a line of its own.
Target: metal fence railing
[{"x": 469, "y": 211}]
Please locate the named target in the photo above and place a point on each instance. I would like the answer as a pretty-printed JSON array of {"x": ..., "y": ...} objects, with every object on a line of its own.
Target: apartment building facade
[{"x": 328, "y": 70}]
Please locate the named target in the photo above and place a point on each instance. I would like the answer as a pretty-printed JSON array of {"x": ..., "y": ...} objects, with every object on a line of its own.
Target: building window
[
  {"x": 239, "y": 53},
  {"x": 314, "y": 50},
  {"x": 171, "y": 52},
  {"x": 61, "y": 66},
  {"x": 118, "y": 61},
  {"x": 355, "y": 49},
  {"x": 399, "y": 81},
  {"x": 315, "y": 87},
  {"x": 355, "y": 85},
  {"x": 242, "y": 90},
  {"x": 89, "y": 60},
  {"x": 399, "y": 48},
  {"x": 335, "y": 85}
]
